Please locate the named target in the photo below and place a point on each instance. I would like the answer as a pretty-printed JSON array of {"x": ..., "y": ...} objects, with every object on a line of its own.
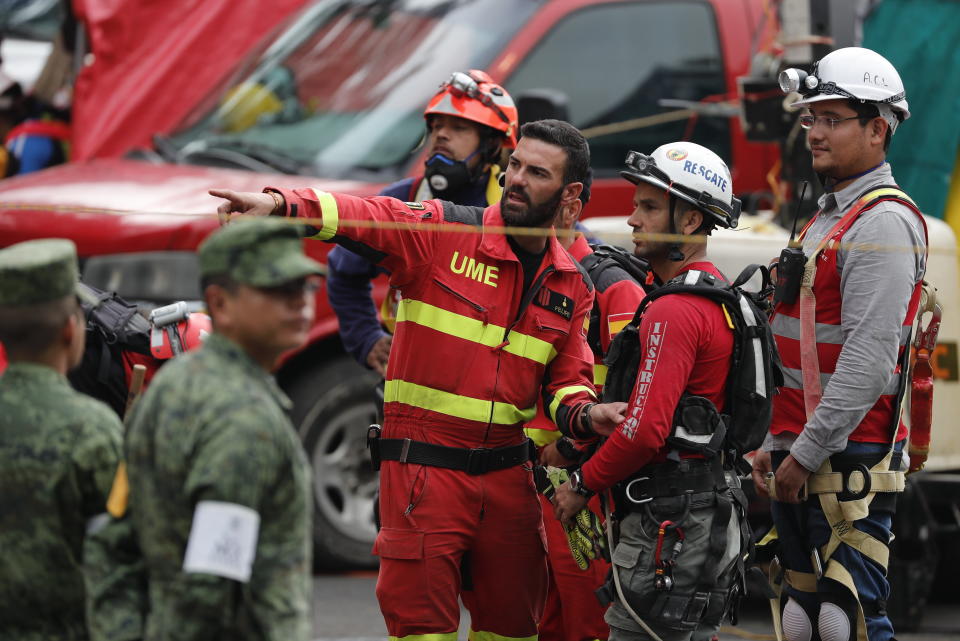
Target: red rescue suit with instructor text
[
  {"x": 789, "y": 412},
  {"x": 466, "y": 369},
  {"x": 686, "y": 347}
]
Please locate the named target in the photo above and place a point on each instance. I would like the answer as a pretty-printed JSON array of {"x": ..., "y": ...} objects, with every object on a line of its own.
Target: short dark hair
[
  {"x": 567, "y": 137},
  {"x": 224, "y": 281},
  {"x": 587, "y": 184},
  {"x": 27, "y": 331},
  {"x": 867, "y": 111},
  {"x": 708, "y": 222}
]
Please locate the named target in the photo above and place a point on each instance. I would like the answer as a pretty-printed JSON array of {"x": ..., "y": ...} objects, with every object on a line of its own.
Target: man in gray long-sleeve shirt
[{"x": 838, "y": 410}]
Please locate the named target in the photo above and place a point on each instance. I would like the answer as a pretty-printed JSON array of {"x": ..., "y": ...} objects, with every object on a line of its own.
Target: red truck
[{"x": 333, "y": 99}]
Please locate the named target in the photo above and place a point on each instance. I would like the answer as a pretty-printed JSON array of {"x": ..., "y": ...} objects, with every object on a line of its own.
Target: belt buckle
[
  {"x": 478, "y": 460},
  {"x": 630, "y": 498}
]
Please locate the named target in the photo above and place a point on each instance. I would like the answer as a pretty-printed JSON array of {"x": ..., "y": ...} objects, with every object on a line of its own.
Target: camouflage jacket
[
  {"x": 212, "y": 427},
  {"x": 58, "y": 454}
]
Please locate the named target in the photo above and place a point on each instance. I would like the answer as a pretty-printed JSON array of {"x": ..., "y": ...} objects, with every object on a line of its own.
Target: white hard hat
[
  {"x": 861, "y": 74},
  {"x": 691, "y": 172}
]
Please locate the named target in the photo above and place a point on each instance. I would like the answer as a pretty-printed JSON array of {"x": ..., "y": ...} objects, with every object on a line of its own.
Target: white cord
[{"x": 616, "y": 576}]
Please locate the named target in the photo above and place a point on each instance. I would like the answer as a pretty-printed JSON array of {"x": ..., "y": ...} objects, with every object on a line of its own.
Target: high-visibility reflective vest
[
  {"x": 471, "y": 350},
  {"x": 789, "y": 411}
]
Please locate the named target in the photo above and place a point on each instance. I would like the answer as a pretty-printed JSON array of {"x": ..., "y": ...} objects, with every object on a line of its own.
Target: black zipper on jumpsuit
[{"x": 477, "y": 306}]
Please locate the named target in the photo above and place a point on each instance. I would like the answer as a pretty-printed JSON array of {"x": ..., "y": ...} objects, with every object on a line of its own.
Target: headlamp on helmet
[
  {"x": 854, "y": 73},
  {"x": 174, "y": 330},
  {"x": 797, "y": 80},
  {"x": 474, "y": 96},
  {"x": 463, "y": 84}
]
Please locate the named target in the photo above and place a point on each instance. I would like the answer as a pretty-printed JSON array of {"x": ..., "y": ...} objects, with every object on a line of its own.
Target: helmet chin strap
[{"x": 674, "y": 254}]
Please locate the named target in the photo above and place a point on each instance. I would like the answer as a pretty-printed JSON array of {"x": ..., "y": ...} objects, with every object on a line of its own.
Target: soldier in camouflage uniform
[
  {"x": 219, "y": 484},
  {"x": 59, "y": 449}
]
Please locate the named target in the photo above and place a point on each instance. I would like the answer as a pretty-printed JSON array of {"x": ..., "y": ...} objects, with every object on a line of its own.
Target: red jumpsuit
[
  {"x": 572, "y": 612},
  {"x": 470, "y": 356}
]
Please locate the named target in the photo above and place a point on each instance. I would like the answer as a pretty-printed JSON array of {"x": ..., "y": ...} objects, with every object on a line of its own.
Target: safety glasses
[{"x": 809, "y": 121}]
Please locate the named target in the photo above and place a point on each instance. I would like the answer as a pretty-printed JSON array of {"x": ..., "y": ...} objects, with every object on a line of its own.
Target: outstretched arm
[{"x": 247, "y": 203}]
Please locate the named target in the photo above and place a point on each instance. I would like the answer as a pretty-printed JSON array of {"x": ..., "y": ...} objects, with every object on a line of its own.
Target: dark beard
[
  {"x": 654, "y": 251},
  {"x": 532, "y": 215}
]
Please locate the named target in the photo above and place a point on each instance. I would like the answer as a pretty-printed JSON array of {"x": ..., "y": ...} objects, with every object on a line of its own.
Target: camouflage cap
[
  {"x": 38, "y": 271},
  {"x": 262, "y": 252}
]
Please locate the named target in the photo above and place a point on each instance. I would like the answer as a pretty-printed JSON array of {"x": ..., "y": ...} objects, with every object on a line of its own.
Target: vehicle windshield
[
  {"x": 31, "y": 19},
  {"x": 341, "y": 92}
]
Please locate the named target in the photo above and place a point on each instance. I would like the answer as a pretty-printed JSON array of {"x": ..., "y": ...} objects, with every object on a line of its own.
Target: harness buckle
[
  {"x": 867, "y": 481},
  {"x": 478, "y": 460},
  {"x": 630, "y": 497}
]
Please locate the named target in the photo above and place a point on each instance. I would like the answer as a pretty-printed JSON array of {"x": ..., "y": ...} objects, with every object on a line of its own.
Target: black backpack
[
  {"x": 114, "y": 326},
  {"x": 755, "y": 370},
  {"x": 605, "y": 266}
]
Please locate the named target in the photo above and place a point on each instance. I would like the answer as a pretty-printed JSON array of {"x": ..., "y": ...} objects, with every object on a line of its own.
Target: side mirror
[{"x": 541, "y": 104}]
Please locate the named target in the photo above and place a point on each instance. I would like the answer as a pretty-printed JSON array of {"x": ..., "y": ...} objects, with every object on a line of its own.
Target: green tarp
[{"x": 922, "y": 40}]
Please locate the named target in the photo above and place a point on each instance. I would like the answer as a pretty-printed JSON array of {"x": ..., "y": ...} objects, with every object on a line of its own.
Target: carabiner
[{"x": 927, "y": 338}]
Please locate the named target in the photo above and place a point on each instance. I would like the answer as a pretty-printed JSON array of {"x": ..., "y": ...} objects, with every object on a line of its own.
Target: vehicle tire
[{"x": 334, "y": 403}]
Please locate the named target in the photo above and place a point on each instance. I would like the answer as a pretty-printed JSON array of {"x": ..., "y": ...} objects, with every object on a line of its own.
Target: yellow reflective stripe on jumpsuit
[
  {"x": 475, "y": 635},
  {"x": 446, "y": 636},
  {"x": 472, "y": 409},
  {"x": 540, "y": 436},
  {"x": 474, "y": 330},
  {"x": 561, "y": 394},
  {"x": 600, "y": 374},
  {"x": 330, "y": 214}
]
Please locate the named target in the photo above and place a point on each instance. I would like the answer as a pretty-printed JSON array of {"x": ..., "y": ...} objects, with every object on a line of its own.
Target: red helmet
[
  {"x": 174, "y": 330},
  {"x": 474, "y": 96}
]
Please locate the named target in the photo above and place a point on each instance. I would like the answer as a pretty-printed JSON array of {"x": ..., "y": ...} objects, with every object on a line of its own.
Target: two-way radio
[{"x": 791, "y": 263}]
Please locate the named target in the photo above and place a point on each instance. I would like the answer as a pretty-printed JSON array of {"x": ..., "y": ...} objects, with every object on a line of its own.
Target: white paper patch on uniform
[{"x": 223, "y": 540}]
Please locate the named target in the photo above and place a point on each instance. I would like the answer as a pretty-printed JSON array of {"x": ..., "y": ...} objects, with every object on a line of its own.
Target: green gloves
[{"x": 586, "y": 535}]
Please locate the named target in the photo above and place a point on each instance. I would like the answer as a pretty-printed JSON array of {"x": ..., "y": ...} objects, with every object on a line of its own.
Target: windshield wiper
[
  {"x": 248, "y": 155},
  {"x": 165, "y": 147}
]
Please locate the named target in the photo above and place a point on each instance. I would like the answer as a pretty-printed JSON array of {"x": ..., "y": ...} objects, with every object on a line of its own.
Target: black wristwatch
[
  {"x": 576, "y": 484},
  {"x": 586, "y": 422},
  {"x": 567, "y": 450}
]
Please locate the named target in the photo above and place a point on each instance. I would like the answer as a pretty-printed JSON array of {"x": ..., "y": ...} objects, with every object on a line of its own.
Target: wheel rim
[{"x": 344, "y": 481}]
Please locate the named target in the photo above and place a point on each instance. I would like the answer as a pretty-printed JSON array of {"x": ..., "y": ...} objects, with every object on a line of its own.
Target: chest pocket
[
  {"x": 548, "y": 326},
  {"x": 455, "y": 298},
  {"x": 539, "y": 336}
]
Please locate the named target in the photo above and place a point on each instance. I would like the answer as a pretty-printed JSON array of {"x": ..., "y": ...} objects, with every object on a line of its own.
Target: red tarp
[{"x": 153, "y": 61}]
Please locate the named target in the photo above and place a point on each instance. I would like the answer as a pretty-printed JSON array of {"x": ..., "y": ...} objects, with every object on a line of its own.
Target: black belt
[
  {"x": 672, "y": 479},
  {"x": 478, "y": 460}
]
